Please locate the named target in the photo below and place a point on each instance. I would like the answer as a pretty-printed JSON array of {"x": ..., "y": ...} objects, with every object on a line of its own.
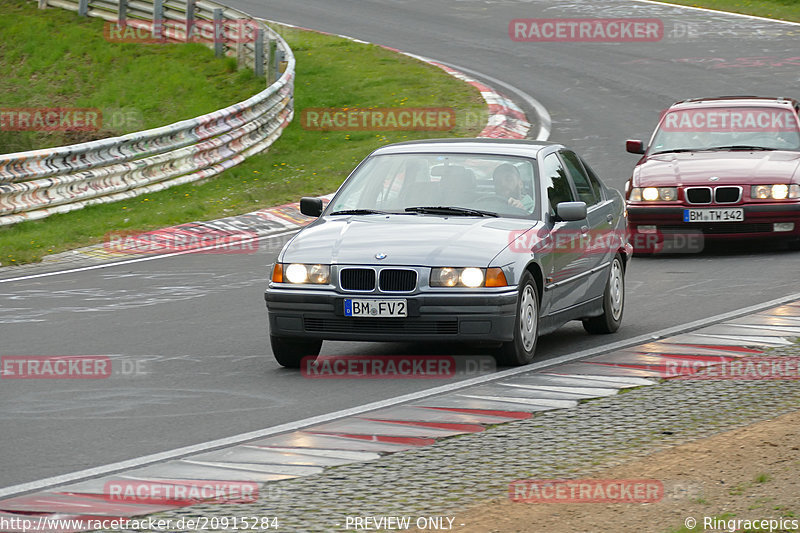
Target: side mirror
[
  {"x": 311, "y": 207},
  {"x": 634, "y": 146},
  {"x": 570, "y": 211}
]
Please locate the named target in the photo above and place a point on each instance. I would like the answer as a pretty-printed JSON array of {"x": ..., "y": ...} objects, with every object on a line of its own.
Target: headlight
[
  {"x": 778, "y": 191},
  {"x": 299, "y": 273},
  {"x": 652, "y": 194},
  {"x": 471, "y": 277}
]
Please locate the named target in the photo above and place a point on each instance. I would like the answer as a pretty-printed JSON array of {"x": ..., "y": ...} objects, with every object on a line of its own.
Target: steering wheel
[{"x": 492, "y": 202}]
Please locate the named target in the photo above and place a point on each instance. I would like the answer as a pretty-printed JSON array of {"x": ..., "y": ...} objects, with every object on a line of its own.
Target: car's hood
[
  {"x": 405, "y": 239},
  {"x": 736, "y": 168}
]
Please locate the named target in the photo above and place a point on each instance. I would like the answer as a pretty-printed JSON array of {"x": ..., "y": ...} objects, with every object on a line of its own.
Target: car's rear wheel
[
  {"x": 613, "y": 302},
  {"x": 521, "y": 350},
  {"x": 289, "y": 352}
]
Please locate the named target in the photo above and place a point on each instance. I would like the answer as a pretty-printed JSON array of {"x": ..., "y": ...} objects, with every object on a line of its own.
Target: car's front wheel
[
  {"x": 289, "y": 352},
  {"x": 521, "y": 350},
  {"x": 613, "y": 302}
]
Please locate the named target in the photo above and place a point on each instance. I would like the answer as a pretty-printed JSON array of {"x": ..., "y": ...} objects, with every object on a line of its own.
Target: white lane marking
[
  {"x": 539, "y": 402},
  {"x": 590, "y": 392},
  {"x": 405, "y": 398},
  {"x": 746, "y": 339},
  {"x": 140, "y": 259},
  {"x": 620, "y": 382},
  {"x": 322, "y": 452},
  {"x": 716, "y": 11}
]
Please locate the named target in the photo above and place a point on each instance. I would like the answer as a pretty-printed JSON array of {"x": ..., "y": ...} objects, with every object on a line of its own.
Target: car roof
[
  {"x": 736, "y": 101},
  {"x": 518, "y": 147}
]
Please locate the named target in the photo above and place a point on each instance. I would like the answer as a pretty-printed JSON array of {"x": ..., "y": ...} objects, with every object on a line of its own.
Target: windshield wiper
[
  {"x": 360, "y": 212},
  {"x": 677, "y": 151},
  {"x": 450, "y": 210},
  {"x": 740, "y": 147}
]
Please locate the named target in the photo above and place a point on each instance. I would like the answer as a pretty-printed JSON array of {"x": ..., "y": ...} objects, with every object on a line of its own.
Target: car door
[
  {"x": 565, "y": 268},
  {"x": 598, "y": 243}
]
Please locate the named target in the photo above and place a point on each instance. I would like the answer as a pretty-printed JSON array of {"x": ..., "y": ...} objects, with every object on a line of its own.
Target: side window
[
  {"x": 555, "y": 179},
  {"x": 594, "y": 180},
  {"x": 582, "y": 184}
]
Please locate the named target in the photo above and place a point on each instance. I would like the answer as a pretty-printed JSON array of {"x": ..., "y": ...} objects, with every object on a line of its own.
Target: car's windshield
[
  {"x": 716, "y": 128},
  {"x": 481, "y": 185}
]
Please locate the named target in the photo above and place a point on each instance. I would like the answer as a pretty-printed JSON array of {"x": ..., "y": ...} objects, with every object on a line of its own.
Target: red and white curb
[{"x": 368, "y": 435}]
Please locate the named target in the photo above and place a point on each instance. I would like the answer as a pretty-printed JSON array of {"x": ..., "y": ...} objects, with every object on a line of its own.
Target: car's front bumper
[
  {"x": 759, "y": 222},
  {"x": 319, "y": 314}
]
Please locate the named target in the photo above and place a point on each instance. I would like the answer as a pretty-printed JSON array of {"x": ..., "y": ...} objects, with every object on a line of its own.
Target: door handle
[
  {"x": 610, "y": 218},
  {"x": 584, "y": 230}
]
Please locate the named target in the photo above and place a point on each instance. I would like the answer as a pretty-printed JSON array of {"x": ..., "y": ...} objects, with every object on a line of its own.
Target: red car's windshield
[{"x": 720, "y": 128}]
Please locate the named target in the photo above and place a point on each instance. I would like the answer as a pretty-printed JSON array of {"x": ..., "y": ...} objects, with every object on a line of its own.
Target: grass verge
[
  {"x": 54, "y": 58},
  {"x": 774, "y": 9},
  {"x": 331, "y": 72}
]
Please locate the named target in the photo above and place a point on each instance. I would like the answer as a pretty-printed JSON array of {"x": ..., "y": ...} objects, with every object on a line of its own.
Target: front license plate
[
  {"x": 713, "y": 215},
  {"x": 375, "y": 308}
]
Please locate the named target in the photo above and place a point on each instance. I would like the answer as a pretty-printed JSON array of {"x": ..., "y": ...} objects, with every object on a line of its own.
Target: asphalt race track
[{"x": 187, "y": 335}]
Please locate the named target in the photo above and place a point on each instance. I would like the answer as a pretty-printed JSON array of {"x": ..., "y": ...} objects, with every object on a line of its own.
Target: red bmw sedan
[{"x": 716, "y": 169}]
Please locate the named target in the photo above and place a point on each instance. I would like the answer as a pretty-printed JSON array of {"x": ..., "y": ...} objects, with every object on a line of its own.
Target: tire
[
  {"x": 521, "y": 350},
  {"x": 613, "y": 302},
  {"x": 289, "y": 352}
]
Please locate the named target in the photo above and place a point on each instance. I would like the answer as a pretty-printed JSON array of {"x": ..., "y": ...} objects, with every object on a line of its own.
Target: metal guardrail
[{"x": 39, "y": 183}]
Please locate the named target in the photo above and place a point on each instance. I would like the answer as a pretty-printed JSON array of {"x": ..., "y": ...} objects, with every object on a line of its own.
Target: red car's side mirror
[{"x": 634, "y": 146}]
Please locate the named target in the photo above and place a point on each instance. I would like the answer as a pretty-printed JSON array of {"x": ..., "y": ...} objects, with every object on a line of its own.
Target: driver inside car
[{"x": 508, "y": 185}]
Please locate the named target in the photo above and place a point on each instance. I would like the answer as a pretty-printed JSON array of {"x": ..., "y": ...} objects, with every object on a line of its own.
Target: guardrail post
[
  {"x": 122, "y": 13},
  {"x": 190, "y": 7},
  {"x": 158, "y": 19},
  {"x": 273, "y": 46},
  {"x": 219, "y": 34},
  {"x": 280, "y": 57},
  {"x": 42, "y": 4},
  {"x": 258, "y": 68},
  {"x": 83, "y": 7}
]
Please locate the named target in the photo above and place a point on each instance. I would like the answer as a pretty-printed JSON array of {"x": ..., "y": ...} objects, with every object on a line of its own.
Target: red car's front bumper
[{"x": 759, "y": 223}]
